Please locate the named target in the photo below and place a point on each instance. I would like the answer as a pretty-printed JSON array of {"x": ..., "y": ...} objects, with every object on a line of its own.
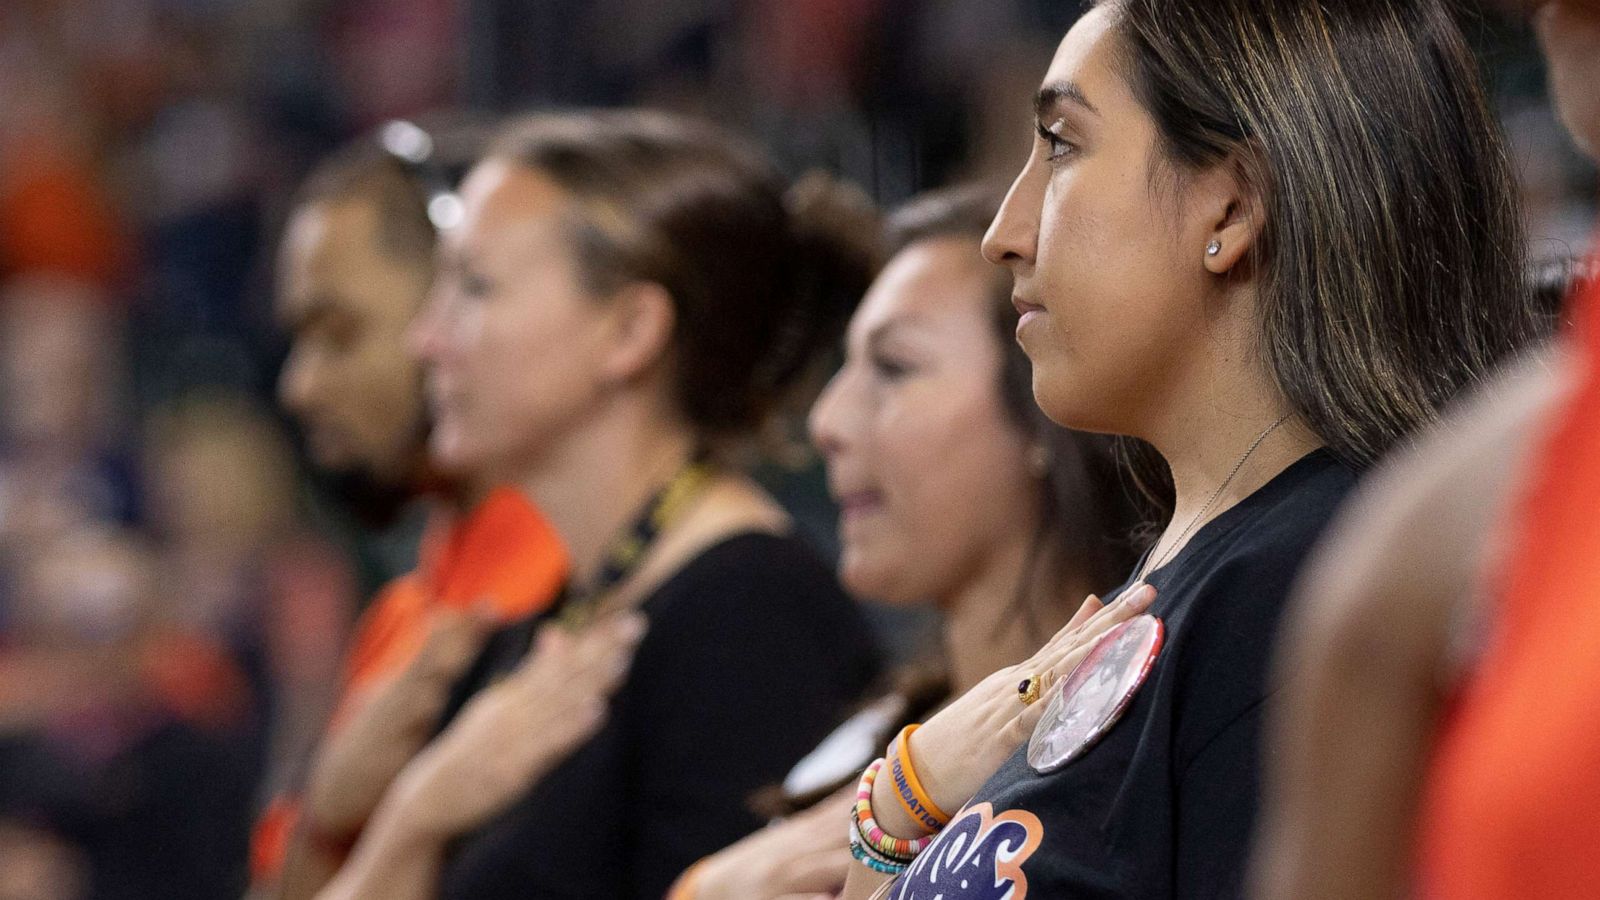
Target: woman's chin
[
  {"x": 1069, "y": 405},
  {"x": 880, "y": 584},
  {"x": 1057, "y": 402}
]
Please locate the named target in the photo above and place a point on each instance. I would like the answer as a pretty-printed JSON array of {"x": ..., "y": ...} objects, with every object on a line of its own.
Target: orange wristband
[{"x": 908, "y": 788}]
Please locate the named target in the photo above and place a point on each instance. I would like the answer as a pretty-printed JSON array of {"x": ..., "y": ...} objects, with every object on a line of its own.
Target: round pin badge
[{"x": 1091, "y": 699}]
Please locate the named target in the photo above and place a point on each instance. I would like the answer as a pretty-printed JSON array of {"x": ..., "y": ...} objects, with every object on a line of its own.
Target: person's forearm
[
  {"x": 413, "y": 877},
  {"x": 307, "y": 869},
  {"x": 392, "y": 861},
  {"x": 347, "y": 785},
  {"x": 863, "y": 884}
]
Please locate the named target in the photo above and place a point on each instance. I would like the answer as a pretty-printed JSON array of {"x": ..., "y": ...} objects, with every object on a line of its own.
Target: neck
[
  {"x": 592, "y": 484},
  {"x": 1208, "y": 446},
  {"x": 984, "y": 630},
  {"x": 1216, "y": 401}
]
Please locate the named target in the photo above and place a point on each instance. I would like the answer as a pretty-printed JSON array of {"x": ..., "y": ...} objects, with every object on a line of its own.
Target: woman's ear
[
  {"x": 1236, "y": 213},
  {"x": 641, "y": 321}
]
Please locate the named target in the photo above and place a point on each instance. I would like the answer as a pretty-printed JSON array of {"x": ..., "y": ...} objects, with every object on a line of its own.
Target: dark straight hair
[{"x": 1391, "y": 259}]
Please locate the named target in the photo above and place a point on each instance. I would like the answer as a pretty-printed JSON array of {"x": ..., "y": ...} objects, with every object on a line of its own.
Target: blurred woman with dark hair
[
  {"x": 626, "y": 301},
  {"x": 955, "y": 492},
  {"x": 1270, "y": 238}
]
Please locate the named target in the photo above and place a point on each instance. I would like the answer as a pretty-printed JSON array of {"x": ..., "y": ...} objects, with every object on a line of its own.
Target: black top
[
  {"x": 1163, "y": 805},
  {"x": 753, "y": 652}
]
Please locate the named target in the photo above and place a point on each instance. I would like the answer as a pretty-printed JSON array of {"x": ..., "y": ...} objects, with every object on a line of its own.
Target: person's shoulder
[
  {"x": 755, "y": 599},
  {"x": 750, "y": 554},
  {"x": 1287, "y": 519},
  {"x": 392, "y": 624},
  {"x": 1239, "y": 587},
  {"x": 1306, "y": 494},
  {"x": 1222, "y": 637},
  {"x": 749, "y": 568}
]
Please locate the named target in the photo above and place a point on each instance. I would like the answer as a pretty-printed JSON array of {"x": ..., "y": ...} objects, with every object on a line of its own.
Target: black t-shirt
[
  {"x": 1162, "y": 806},
  {"x": 753, "y": 653}
]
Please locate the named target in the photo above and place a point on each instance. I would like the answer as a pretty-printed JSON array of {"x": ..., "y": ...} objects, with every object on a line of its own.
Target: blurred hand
[
  {"x": 360, "y": 759},
  {"x": 804, "y": 856},
  {"x": 957, "y": 750},
  {"x": 36, "y": 865},
  {"x": 516, "y": 730}
]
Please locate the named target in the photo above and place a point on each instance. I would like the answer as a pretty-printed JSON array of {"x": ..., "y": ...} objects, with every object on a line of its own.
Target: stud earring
[{"x": 1213, "y": 248}]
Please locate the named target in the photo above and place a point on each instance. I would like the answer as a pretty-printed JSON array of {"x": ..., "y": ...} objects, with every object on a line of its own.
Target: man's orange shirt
[
  {"x": 1512, "y": 807},
  {"x": 503, "y": 553}
]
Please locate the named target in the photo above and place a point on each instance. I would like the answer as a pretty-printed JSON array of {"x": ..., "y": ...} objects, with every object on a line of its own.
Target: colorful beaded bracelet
[
  {"x": 857, "y": 837},
  {"x": 876, "y": 837},
  {"x": 860, "y": 837},
  {"x": 908, "y": 787},
  {"x": 867, "y": 857},
  {"x": 859, "y": 852}
]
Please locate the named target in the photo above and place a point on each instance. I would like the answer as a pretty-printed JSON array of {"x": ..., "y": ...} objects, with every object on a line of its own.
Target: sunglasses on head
[{"x": 431, "y": 170}]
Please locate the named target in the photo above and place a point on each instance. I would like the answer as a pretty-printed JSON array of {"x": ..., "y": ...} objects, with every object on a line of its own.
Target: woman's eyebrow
[
  {"x": 1059, "y": 92},
  {"x": 887, "y": 330},
  {"x": 882, "y": 332}
]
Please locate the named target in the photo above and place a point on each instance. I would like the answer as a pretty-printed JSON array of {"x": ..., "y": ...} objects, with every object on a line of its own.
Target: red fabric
[
  {"x": 195, "y": 679},
  {"x": 810, "y": 51},
  {"x": 504, "y": 553},
  {"x": 1512, "y": 806},
  {"x": 269, "y": 845},
  {"x": 55, "y": 217}
]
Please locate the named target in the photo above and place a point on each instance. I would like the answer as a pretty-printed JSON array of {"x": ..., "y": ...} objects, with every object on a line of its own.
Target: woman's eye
[
  {"x": 890, "y": 369},
  {"x": 473, "y": 285},
  {"x": 1058, "y": 146}
]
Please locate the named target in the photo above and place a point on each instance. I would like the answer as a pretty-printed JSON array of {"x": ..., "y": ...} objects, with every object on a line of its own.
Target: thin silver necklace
[{"x": 1152, "y": 564}]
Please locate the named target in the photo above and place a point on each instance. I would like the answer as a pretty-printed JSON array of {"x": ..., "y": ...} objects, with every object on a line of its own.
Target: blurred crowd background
[{"x": 173, "y": 594}]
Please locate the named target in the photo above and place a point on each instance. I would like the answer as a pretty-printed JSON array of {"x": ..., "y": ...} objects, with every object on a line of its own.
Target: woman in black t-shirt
[
  {"x": 626, "y": 300},
  {"x": 1269, "y": 238}
]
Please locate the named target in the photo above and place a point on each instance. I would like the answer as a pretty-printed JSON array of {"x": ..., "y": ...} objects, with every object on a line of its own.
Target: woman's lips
[
  {"x": 1027, "y": 311},
  {"x": 859, "y": 503},
  {"x": 1023, "y": 306}
]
